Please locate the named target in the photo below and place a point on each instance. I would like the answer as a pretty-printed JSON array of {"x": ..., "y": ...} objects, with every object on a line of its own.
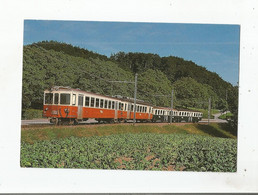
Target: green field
[
  {"x": 224, "y": 116},
  {"x": 191, "y": 147}
]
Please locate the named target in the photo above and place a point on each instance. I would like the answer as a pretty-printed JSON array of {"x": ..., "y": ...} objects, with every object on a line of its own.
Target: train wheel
[{"x": 76, "y": 122}]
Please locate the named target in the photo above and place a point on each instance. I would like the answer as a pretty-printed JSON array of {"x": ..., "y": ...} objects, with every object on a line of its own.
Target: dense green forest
[{"x": 52, "y": 63}]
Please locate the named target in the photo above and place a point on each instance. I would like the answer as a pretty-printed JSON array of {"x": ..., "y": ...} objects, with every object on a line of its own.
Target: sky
[{"x": 213, "y": 46}]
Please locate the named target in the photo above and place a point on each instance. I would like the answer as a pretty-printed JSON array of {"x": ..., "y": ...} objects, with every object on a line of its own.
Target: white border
[{"x": 16, "y": 179}]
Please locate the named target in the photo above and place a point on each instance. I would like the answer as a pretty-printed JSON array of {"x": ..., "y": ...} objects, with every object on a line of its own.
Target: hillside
[
  {"x": 51, "y": 63},
  {"x": 44, "y": 68},
  {"x": 173, "y": 67}
]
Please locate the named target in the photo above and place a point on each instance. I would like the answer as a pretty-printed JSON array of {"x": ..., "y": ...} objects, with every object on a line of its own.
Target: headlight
[{"x": 46, "y": 108}]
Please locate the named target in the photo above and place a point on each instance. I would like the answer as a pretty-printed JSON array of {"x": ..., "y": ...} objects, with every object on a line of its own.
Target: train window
[
  {"x": 65, "y": 98},
  {"x": 92, "y": 101},
  {"x": 48, "y": 98},
  {"x": 125, "y": 107},
  {"x": 132, "y": 108},
  {"x": 97, "y": 102},
  {"x": 101, "y": 103},
  {"x": 145, "y": 109},
  {"x": 87, "y": 101},
  {"x": 106, "y": 103},
  {"x": 137, "y": 108},
  {"x": 140, "y": 108},
  {"x": 113, "y": 105},
  {"x": 56, "y": 98},
  {"x": 74, "y": 99},
  {"x": 156, "y": 112},
  {"x": 109, "y": 104}
]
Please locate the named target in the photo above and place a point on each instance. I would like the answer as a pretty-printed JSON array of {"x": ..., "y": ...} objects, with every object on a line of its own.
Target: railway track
[
  {"x": 42, "y": 123},
  {"x": 29, "y": 126}
]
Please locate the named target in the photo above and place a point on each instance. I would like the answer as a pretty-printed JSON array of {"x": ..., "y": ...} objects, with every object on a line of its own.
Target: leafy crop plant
[{"x": 146, "y": 151}]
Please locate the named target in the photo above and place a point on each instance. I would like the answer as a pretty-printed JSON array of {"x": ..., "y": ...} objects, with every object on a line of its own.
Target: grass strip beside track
[{"x": 32, "y": 135}]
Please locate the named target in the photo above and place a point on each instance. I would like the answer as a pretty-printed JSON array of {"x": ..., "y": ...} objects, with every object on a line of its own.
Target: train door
[
  {"x": 116, "y": 110},
  {"x": 149, "y": 112},
  {"x": 129, "y": 105},
  {"x": 80, "y": 106}
]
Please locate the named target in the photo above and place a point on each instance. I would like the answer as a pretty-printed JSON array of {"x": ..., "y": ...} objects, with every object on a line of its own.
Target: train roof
[
  {"x": 180, "y": 109},
  {"x": 164, "y": 108},
  {"x": 189, "y": 110}
]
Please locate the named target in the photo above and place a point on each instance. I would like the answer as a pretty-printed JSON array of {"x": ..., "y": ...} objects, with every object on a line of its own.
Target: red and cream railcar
[{"x": 64, "y": 104}]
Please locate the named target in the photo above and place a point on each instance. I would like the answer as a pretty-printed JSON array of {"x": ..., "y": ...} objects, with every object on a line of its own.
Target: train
[{"x": 65, "y": 105}]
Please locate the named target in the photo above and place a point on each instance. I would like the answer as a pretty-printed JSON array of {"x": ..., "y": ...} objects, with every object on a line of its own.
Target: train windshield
[
  {"x": 48, "y": 98},
  {"x": 65, "y": 98}
]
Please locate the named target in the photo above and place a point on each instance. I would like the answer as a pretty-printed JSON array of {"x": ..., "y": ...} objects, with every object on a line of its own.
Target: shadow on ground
[
  {"x": 227, "y": 127},
  {"x": 222, "y": 131}
]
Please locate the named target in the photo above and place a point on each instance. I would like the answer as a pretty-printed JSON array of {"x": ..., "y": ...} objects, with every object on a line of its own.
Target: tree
[
  {"x": 233, "y": 105},
  {"x": 190, "y": 93},
  {"x": 152, "y": 83}
]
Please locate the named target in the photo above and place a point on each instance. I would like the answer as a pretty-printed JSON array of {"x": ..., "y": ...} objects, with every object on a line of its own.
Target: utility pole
[
  {"x": 171, "y": 106},
  {"x": 209, "y": 111},
  {"x": 135, "y": 92}
]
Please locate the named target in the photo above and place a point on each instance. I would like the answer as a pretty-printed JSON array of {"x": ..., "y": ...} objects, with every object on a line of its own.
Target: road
[{"x": 215, "y": 120}]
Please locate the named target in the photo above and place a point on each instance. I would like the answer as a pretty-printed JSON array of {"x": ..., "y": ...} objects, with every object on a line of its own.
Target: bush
[{"x": 32, "y": 113}]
